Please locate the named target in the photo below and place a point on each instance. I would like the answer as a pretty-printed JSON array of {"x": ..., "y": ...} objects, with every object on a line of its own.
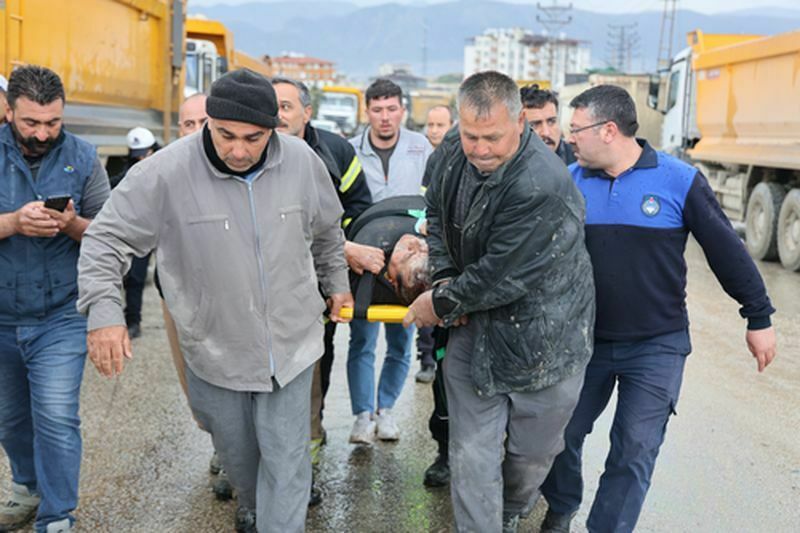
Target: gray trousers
[
  {"x": 501, "y": 448},
  {"x": 262, "y": 440}
]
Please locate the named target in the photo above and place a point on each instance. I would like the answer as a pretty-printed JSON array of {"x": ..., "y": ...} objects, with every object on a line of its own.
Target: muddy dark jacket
[{"x": 521, "y": 270}]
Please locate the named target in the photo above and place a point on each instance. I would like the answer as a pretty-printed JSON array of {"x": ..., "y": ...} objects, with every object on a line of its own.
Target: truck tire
[
  {"x": 789, "y": 231},
  {"x": 761, "y": 231}
]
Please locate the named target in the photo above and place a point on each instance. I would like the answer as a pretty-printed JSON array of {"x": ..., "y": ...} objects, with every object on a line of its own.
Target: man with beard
[
  {"x": 541, "y": 111},
  {"x": 42, "y": 337},
  {"x": 393, "y": 159}
]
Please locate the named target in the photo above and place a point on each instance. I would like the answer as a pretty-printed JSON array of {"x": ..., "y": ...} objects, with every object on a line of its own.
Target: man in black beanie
[{"x": 246, "y": 224}]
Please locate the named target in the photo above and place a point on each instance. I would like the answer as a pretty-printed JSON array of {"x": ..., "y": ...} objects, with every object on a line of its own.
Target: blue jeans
[
  {"x": 361, "y": 364},
  {"x": 648, "y": 376},
  {"x": 41, "y": 368}
]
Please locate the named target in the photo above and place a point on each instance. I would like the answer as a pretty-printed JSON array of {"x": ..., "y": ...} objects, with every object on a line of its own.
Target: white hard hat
[
  {"x": 3, "y": 83},
  {"x": 140, "y": 140}
]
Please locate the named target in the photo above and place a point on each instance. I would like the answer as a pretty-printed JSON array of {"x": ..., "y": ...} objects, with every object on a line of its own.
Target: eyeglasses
[{"x": 575, "y": 131}]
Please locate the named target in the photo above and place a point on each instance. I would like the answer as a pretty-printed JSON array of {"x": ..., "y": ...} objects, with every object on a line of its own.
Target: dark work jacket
[
  {"x": 344, "y": 167},
  {"x": 564, "y": 151},
  {"x": 521, "y": 271}
]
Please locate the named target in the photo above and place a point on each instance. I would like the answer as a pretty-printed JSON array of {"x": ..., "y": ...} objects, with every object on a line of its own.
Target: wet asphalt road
[{"x": 731, "y": 461}]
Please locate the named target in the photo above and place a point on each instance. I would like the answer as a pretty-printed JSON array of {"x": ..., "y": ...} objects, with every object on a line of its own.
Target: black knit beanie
[{"x": 244, "y": 96}]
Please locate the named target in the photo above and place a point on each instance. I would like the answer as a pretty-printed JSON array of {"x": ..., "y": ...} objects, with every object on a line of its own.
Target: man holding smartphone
[{"x": 51, "y": 185}]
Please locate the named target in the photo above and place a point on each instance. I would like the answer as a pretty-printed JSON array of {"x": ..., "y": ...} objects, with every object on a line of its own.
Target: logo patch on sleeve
[{"x": 651, "y": 205}]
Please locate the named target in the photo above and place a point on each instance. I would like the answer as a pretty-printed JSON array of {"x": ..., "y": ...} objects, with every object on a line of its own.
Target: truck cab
[
  {"x": 672, "y": 93},
  {"x": 203, "y": 66},
  {"x": 342, "y": 105}
]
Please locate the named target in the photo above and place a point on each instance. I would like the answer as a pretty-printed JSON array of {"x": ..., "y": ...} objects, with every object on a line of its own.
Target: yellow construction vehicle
[
  {"x": 210, "y": 53},
  {"x": 344, "y": 106},
  {"x": 731, "y": 106},
  {"x": 120, "y": 62},
  {"x": 422, "y": 100}
]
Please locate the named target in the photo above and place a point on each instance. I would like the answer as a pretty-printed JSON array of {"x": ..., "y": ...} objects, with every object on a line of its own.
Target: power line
[
  {"x": 553, "y": 17},
  {"x": 623, "y": 41},
  {"x": 667, "y": 34}
]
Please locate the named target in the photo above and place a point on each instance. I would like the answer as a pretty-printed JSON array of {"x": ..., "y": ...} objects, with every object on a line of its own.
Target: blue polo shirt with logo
[{"x": 637, "y": 225}]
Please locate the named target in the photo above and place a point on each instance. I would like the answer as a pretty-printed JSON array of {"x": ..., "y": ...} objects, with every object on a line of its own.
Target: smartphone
[{"x": 59, "y": 203}]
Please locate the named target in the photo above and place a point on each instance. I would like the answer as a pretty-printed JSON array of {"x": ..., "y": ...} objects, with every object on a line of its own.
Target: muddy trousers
[
  {"x": 501, "y": 448},
  {"x": 262, "y": 439},
  {"x": 648, "y": 377},
  {"x": 322, "y": 382}
]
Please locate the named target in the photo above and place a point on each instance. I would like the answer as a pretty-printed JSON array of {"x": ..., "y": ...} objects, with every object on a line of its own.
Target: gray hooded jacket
[{"x": 239, "y": 262}]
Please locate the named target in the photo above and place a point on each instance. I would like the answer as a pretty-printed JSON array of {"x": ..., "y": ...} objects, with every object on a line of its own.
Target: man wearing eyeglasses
[
  {"x": 640, "y": 207},
  {"x": 541, "y": 111}
]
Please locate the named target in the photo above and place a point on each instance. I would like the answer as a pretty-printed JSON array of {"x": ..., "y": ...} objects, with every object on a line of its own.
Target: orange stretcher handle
[{"x": 391, "y": 314}]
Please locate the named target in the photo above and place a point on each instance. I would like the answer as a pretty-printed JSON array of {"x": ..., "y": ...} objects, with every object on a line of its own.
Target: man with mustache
[
  {"x": 393, "y": 159},
  {"x": 246, "y": 226},
  {"x": 541, "y": 111},
  {"x": 42, "y": 337}
]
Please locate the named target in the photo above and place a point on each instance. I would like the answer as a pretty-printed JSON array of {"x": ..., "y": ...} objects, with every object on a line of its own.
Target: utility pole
[
  {"x": 667, "y": 34},
  {"x": 553, "y": 17},
  {"x": 622, "y": 40}
]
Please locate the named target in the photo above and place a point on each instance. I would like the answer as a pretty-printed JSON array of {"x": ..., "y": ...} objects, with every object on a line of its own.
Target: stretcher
[{"x": 390, "y": 314}]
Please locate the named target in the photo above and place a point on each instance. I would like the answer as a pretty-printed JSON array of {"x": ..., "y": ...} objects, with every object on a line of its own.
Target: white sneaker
[
  {"x": 62, "y": 526},
  {"x": 19, "y": 509},
  {"x": 363, "y": 429},
  {"x": 387, "y": 428}
]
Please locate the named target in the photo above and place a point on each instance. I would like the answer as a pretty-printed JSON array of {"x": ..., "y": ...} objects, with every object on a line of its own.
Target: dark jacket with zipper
[
  {"x": 345, "y": 170},
  {"x": 519, "y": 268}
]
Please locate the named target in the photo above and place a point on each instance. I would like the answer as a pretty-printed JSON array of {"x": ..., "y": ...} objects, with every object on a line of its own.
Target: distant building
[
  {"x": 312, "y": 71},
  {"x": 387, "y": 69},
  {"x": 401, "y": 74},
  {"x": 524, "y": 55}
]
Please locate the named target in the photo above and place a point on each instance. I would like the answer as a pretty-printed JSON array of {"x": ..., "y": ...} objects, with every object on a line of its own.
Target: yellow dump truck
[
  {"x": 422, "y": 100},
  {"x": 731, "y": 106},
  {"x": 210, "y": 53},
  {"x": 344, "y": 106},
  {"x": 120, "y": 61}
]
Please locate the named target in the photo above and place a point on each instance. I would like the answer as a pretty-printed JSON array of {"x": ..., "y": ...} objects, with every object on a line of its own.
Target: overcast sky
[{"x": 703, "y": 6}]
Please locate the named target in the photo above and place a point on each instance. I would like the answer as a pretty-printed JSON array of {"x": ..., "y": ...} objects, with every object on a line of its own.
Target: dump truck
[
  {"x": 343, "y": 105},
  {"x": 210, "y": 53},
  {"x": 120, "y": 62},
  {"x": 731, "y": 107}
]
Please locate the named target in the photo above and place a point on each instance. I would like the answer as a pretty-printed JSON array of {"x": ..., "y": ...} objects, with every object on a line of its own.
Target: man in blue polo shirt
[{"x": 640, "y": 207}]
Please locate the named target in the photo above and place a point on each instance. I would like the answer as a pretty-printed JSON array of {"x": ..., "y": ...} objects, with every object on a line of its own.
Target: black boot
[
  {"x": 556, "y": 523},
  {"x": 245, "y": 521},
  {"x": 438, "y": 474}
]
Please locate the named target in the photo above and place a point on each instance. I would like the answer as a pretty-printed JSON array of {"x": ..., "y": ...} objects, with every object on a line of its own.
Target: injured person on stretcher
[{"x": 395, "y": 225}]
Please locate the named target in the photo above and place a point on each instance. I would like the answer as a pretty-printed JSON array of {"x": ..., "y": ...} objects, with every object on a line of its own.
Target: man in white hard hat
[{"x": 141, "y": 145}]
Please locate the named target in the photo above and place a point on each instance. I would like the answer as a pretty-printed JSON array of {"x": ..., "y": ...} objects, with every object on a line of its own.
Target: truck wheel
[
  {"x": 761, "y": 221},
  {"x": 789, "y": 231}
]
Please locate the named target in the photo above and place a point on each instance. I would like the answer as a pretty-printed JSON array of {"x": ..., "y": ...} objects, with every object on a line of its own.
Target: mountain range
[{"x": 360, "y": 38}]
